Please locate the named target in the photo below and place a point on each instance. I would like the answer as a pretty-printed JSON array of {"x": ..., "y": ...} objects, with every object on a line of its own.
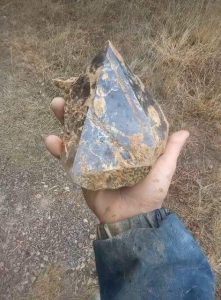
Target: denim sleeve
[{"x": 154, "y": 263}]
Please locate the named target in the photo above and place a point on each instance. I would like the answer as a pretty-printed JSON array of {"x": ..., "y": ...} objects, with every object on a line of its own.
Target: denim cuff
[{"x": 151, "y": 219}]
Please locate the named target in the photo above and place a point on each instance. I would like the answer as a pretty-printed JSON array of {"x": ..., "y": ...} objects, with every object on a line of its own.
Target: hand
[{"x": 147, "y": 195}]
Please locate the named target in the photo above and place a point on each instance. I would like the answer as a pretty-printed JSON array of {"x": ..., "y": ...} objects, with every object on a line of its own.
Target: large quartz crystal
[{"x": 113, "y": 130}]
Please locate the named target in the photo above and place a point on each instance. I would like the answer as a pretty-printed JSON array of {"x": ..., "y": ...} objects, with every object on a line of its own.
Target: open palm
[{"x": 148, "y": 194}]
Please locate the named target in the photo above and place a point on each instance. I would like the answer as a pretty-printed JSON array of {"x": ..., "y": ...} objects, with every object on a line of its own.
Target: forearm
[{"x": 156, "y": 259}]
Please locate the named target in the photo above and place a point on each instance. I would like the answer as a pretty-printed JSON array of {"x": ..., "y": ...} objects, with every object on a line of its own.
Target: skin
[{"x": 115, "y": 205}]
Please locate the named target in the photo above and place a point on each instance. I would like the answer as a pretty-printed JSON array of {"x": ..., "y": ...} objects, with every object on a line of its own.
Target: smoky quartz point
[{"x": 113, "y": 130}]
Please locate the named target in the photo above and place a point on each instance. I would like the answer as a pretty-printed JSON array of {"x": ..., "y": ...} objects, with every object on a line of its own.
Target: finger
[
  {"x": 54, "y": 145},
  {"x": 57, "y": 105},
  {"x": 166, "y": 163},
  {"x": 175, "y": 144},
  {"x": 163, "y": 170}
]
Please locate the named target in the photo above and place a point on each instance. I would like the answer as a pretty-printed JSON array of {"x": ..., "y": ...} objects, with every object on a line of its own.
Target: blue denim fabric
[{"x": 154, "y": 263}]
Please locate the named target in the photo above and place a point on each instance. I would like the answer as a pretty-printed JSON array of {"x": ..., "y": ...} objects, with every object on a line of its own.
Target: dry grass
[{"x": 173, "y": 45}]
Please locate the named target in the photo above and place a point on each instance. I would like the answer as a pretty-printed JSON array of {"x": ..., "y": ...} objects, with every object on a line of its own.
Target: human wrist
[{"x": 115, "y": 213}]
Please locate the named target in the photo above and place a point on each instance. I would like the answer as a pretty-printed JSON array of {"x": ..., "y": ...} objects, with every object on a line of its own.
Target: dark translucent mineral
[{"x": 113, "y": 130}]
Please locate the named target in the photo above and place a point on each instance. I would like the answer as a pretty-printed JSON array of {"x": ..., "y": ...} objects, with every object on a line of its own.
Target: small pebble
[
  {"x": 45, "y": 258},
  {"x": 92, "y": 236},
  {"x": 83, "y": 266}
]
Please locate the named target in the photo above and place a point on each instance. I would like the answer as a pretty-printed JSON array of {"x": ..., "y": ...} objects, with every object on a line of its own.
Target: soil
[{"x": 46, "y": 230}]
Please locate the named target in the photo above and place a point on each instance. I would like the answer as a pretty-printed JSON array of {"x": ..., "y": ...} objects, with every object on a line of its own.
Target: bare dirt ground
[{"x": 46, "y": 231}]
